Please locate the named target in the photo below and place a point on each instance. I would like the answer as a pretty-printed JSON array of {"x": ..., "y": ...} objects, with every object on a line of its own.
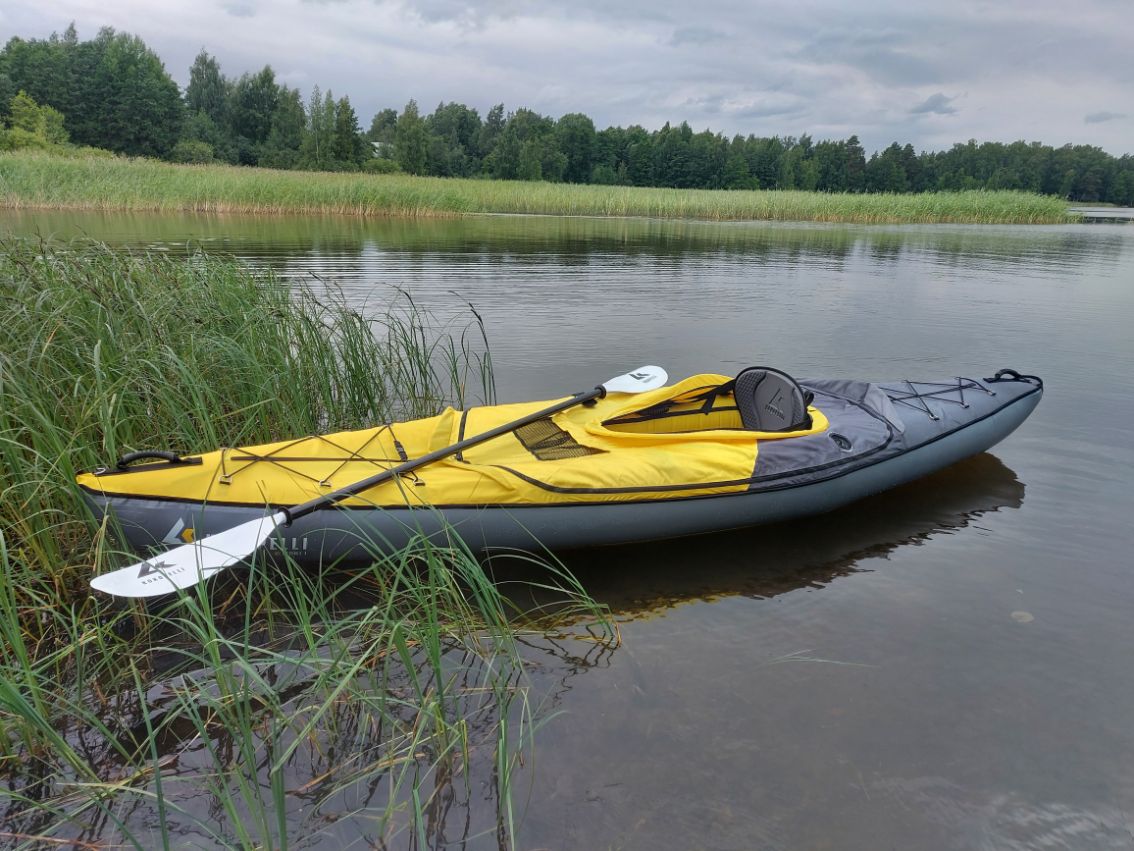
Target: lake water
[{"x": 946, "y": 666}]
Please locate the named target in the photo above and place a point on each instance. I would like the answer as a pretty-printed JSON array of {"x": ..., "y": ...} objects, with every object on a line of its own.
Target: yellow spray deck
[{"x": 668, "y": 443}]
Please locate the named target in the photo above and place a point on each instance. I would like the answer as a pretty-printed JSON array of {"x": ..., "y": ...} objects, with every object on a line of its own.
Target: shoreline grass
[
  {"x": 44, "y": 181},
  {"x": 252, "y": 710}
]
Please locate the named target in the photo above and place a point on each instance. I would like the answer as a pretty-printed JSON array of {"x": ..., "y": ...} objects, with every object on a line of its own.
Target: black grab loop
[
  {"x": 129, "y": 458},
  {"x": 1013, "y": 375}
]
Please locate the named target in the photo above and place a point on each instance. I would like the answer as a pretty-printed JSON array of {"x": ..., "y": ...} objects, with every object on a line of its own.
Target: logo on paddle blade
[
  {"x": 641, "y": 376},
  {"x": 158, "y": 569},
  {"x": 149, "y": 567}
]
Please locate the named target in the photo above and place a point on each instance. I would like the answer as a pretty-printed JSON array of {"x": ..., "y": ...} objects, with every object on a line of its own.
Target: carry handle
[{"x": 129, "y": 458}]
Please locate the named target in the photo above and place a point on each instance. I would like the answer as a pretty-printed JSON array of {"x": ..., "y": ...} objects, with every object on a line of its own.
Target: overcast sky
[{"x": 930, "y": 73}]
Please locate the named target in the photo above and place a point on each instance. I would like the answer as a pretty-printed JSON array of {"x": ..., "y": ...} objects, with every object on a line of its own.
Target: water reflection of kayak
[
  {"x": 695, "y": 457},
  {"x": 808, "y": 552}
]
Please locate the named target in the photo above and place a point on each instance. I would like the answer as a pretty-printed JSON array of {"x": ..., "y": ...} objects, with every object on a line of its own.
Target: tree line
[{"x": 112, "y": 92}]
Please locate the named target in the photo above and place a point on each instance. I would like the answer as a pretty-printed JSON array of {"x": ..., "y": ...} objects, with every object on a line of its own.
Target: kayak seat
[
  {"x": 771, "y": 400},
  {"x": 759, "y": 399}
]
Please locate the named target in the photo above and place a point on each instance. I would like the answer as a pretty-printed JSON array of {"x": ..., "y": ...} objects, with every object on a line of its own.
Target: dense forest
[{"x": 113, "y": 93}]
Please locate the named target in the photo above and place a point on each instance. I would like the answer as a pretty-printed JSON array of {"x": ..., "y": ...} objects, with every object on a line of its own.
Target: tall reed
[
  {"x": 286, "y": 709},
  {"x": 40, "y": 180}
]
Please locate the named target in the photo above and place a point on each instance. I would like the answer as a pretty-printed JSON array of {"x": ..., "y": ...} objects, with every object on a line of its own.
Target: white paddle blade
[
  {"x": 637, "y": 381},
  {"x": 185, "y": 566}
]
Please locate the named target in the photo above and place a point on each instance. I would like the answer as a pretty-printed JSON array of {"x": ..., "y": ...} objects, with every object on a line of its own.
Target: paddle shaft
[{"x": 305, "y": 508}]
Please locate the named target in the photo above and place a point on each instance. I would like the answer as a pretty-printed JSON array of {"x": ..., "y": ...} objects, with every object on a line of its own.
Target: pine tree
[
  {"x": 411, "y": 140},
  {"x": 349, "y": 146}
]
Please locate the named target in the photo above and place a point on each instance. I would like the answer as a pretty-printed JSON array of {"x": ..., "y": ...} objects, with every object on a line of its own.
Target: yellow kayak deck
[{"x": 672, "y": 442}]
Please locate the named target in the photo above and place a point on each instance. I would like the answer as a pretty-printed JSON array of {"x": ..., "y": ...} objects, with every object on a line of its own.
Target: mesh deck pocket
[{"x": 548, "y": 442}]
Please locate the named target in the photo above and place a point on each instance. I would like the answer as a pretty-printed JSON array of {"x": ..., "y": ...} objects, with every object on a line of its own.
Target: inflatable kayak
[{"x": 708, "y": 453}]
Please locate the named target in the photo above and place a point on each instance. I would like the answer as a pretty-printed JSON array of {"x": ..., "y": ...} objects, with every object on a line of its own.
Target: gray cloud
[
  {"x": 480, "y": 13},
  {"x": 744, "y": 105},
  {"x": 694, "y": 35},
  {"x": 936, "y": 104},
  {"x": 456, "y": 11},
  {"x": 239, "y": 9},
  {"x": 884, "y": 55},
  {"x": 1102, "y": 117}
]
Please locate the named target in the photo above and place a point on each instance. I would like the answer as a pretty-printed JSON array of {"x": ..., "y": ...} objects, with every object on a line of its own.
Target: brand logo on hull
[
  {"x": 288, "y": 545},
  {"x": 179, "y": 533}
]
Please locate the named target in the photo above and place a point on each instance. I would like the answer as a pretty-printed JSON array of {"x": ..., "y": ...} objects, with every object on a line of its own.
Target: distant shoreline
[
  {"x": 1103, "y": 212},
  {"x": 44, "y": 181}
]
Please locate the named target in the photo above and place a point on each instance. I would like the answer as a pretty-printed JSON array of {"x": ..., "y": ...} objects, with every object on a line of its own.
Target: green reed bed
[
  {"x": 44, "y": 181},
  {"x": 272, "y": 707}
]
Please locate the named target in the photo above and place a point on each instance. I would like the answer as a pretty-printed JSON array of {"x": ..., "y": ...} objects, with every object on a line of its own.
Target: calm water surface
[{"x": 946, "y": 666}]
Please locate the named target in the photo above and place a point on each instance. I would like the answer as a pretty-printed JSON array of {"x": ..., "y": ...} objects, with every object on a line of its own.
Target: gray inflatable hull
[{"x": 881, "y": 435}]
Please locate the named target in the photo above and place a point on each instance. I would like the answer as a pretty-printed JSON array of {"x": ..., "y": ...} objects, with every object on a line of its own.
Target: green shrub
[
  {"x": 17, "y": 138},
  {"x": 192, "y": 151},
  {"x": 380, "y": 165}
]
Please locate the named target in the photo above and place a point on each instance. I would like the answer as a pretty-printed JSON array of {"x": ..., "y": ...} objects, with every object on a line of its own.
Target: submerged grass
[
  {"x": 273, "y": 712},
  {"x": 43, "y": 181}
]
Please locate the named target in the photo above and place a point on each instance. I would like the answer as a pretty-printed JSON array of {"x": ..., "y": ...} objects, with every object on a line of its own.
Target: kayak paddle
[{"x": 188, "y": 564}]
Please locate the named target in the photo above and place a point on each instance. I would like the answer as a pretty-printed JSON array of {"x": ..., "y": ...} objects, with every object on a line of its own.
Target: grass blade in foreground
[{"x": 185, "y": 566}]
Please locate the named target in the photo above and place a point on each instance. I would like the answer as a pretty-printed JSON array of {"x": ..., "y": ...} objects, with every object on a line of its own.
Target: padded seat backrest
[{"x": 771, "y": 400}]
